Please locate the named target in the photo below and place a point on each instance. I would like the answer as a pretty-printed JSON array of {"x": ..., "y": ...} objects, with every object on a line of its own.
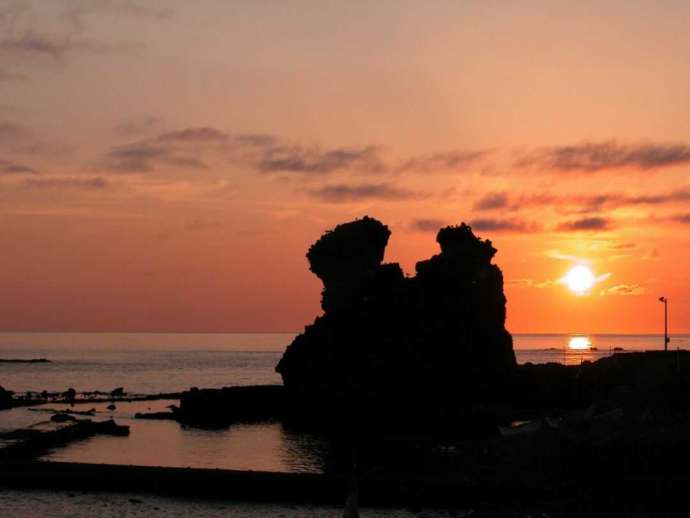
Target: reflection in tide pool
[{"x": 245, "y": 446}]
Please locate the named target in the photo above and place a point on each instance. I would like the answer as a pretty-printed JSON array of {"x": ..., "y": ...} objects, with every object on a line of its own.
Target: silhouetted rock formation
[
  {"x": 5, "y": 398},
  {"x": 395, "y": 347},
  {"x": 222, "y": 407},
  {"x": 347, "y": 260}
]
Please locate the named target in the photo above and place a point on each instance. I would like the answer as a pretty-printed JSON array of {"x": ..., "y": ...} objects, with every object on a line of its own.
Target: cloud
[
  {"x": 180, "y": 149},
  {"x": 497, "y": 200},
  {"x": 10, "y": 167},
  {"x": 520, "y": 283},
  {"x": 77, "y": 10},
  {"x": 6, "y": 76},
  {"x": 141, "y": 158},
  {"x": 297, "y": 159},
  {"x": 625, "y": 200},
  {"x": 623, "y": 246},
  {"x": 21, "y": 140},
  {"x": 503, "y": 225},
  {"x": 95, "y": 183},
  {"x": 597, "y": 156},
  {"x": 557, "y": 254},
  {"x": 427, "y": 225},
  {"x": 256, "y": 140},
  {"x": 443, "y": 161},
  {"x": 264, "y": 153},
  {"x": 681, "y": 218},
  {"x": 589, "y": 223},
  {"x": 190, "y": 147},
  {"x": 202, "y": 134},
  {"x": 137, "y": 127},
  {"x": 11, "y": 133},
  {"x": 531, "y": 283},
  {"x": 626, "y": 290},
  {"x": 342, "y": 193},
  {"x": 35, "y": 32},
  {"x": 585, "y": 202},
  {"x": 55, "y": 47}
]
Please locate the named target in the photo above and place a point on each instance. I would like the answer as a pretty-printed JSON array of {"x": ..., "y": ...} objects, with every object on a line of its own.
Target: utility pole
[{"x": 666, "y": 338}]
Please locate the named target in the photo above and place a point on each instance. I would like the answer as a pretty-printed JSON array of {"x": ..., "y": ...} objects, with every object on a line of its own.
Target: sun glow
[
  {"x": 579, "y": 279},
  {"x": 579, "y": 343}
]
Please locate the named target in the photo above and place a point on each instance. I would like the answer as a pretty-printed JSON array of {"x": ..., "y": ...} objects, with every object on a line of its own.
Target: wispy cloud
[
  {"x": 495, "y": 200},
  {"x": 585, "y": 224},
  {"x": 202, "y": 135},
  {"x": 9, "y": 167},
  {"x": 623, "y": 246},
  {"x": 6, "y": 76},
  {"x": 137, "y": 127},
  {"x": 681, "y": 218},
  {"x": 265, "y": 154},
  {"x": 451, "y": 160},
  {"x": 179, "y": 149},
  {"x": 57, "y": 48},
  {"x": 92, "y": 183},
  {"x": 597, "y": 156},
  {"x": 36, "y": 32},
  {"x": 626, "y": 290},
  {"x": 297, "y": 159},
  {"x": 503, "y": 225},
  {"x": 17, "y": 139},
  {"x": 531, "y": 283},
  {"x": 11, "y": 133},
  {"x": 583, "y": 202},
  {"x": 426, "y": 225},
  {"x": 77, "y": 10},
  {"x": 344, "y": 193}
]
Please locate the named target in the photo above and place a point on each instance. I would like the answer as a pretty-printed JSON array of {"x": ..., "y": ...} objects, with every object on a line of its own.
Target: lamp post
[{"x": 666, "y": 338}]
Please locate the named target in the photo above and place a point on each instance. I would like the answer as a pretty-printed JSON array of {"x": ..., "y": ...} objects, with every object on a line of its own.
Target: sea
[{"x": 151, "y": 363}]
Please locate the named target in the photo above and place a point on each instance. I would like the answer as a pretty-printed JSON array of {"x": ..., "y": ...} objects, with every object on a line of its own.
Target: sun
[
  {"x": 579, "y": 279},
  {"x": 579, "y": 343}
]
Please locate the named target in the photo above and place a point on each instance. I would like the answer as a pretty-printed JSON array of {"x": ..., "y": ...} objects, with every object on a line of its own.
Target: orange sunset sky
[{"x": 165, "y": 165}]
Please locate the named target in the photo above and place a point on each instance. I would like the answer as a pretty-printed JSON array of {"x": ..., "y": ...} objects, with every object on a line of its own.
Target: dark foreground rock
[
  {"x": 10, "y": 399},
  {"x": 6, "y": 398},
  {"x": 221, "y": 407},
  {"x": 390, "y": 349}
]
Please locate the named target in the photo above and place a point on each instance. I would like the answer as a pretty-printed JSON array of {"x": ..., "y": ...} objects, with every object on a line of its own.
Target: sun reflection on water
[{"x": 578, "y": 350}]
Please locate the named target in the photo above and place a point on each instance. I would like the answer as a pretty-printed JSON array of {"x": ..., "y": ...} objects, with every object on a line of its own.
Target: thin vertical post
[
  {"x": 666, "y": 340},
  {"x": 665, "y": 324}
]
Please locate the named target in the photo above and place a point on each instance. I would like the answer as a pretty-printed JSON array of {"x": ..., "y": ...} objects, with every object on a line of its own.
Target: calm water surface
[{"x": 154, "y": 363}]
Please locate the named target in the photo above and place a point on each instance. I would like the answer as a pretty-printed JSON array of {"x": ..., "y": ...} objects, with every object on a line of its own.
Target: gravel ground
[{"x": 105, "y": 505}]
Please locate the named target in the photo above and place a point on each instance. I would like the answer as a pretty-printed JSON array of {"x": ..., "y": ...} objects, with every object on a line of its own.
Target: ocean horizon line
[{"x": 561, "y": 333}]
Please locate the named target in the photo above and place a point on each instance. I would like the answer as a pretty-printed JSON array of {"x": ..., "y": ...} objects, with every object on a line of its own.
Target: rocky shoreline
[
  {"x": 414, "y": 382},
  {"x": 585, "y": 432}
]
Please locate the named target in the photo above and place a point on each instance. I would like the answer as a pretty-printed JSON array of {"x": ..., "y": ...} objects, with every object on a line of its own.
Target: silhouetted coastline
[
  {"x": 33, "y": 360},
  {"x": 414, "y": 384}
]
